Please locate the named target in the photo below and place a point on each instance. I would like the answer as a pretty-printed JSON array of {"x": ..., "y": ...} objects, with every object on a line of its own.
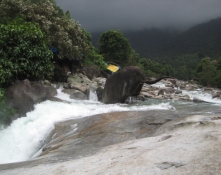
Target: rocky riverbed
[
  {"x": 181, "y": 139},
  {"x": 153, "y": 142}
]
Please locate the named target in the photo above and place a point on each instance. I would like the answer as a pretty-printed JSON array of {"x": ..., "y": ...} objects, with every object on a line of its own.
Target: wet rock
[
  {"x": 160, "y": 92},
  {"x": 180, "y": 84},
  {"x": 169, "y": 90},
  {"x": 216, "y": 94},
  {"x": 88, "y": 135},
  {"x": 146, "y": 94},
  {"x": 100, "y": 81},
  {"x": 25, "y": 94},
  {"x": 128, "y": 143},
  {"x": 197, "y": 100},
  {"x": 81, "y": 82},
  {"x": 184, "y": 97},
  {"x": 78, "y": 95},
  {"x": 69, "y": 91},
  {"x": 178, "y": 92},
  {"x": 166, "y": 92},
  {"x": 190, "y": 87}
]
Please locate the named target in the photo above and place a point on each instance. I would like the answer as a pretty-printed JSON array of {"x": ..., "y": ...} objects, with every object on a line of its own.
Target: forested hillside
[{"x": 164, "y": 44}]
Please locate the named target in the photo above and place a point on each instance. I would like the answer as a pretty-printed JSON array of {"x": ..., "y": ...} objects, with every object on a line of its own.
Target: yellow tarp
[{"x": 112, "y": 68}]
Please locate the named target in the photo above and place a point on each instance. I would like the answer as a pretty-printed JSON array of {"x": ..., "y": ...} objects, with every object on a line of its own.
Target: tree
[
  {"x": 114, "y": 47},
  {"x": 60, "y": 31},
  {"x": 145, "y": 66},
  {"x": 23, "y": 52},
  {"x": 206, "y": 72}
]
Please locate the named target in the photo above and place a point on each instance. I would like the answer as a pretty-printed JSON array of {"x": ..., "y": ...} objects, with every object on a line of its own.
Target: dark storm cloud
[{"x": 96, "y": 15}]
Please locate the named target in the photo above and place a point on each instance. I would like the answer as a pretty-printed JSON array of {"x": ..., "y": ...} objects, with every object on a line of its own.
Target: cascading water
[
  {"x": 26, "y": 135},
  {"x": 93, "y": 96}
]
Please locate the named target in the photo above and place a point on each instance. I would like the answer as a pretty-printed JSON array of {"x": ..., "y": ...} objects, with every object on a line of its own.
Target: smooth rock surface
[{"x": 146, "y": 142}]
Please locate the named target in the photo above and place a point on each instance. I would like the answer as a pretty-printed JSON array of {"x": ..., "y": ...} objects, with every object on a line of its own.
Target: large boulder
[
  {"x": 23, "y": 95},
  {"x": 81, "y": 82},
  {"x": 124, "y": 83}
]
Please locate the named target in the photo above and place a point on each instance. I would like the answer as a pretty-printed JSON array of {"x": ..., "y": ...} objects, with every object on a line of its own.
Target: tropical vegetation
[{"x": 29, "y": 28}]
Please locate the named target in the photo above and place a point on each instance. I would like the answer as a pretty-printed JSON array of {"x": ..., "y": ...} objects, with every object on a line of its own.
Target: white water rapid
[
  {"x": 25, "y": 136},
  {"x": 199, "y": 93}
]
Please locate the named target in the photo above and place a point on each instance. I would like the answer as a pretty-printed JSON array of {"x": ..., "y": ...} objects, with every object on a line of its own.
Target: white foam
[
  {"x": 199, "y": 93},
  {"x": 25, "y": 136},
  {"x": 202, "y": 95}
]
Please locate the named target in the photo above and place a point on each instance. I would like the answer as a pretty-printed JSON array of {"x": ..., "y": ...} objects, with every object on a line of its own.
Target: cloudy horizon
[{"x": 100, "y": 15}]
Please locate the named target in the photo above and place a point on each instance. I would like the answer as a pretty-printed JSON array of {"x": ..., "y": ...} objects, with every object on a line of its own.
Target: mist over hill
[{"x": 163, "y": 44}]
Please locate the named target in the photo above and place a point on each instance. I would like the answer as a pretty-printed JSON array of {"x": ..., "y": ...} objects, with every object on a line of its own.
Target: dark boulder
[
  {"x": 124, "y": 83},
  {"x": 197, "y": 100},
  {"x": 25, "y": 94}
]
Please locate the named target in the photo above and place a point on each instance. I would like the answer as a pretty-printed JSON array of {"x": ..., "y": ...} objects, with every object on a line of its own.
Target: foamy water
[
  {"x": 199, "y": 93},
  {"x": 25, "y": 136}
]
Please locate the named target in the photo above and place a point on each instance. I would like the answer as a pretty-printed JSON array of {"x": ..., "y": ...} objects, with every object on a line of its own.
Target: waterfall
[
  {"x": 93, "y": 95},
  {"x": 26, "y": 135}
]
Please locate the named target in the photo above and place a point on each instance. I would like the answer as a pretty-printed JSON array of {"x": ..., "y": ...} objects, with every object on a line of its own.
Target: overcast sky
[{"x": 101, "y": 15}]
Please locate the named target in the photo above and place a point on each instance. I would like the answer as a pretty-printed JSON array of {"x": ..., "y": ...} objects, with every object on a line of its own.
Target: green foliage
[
  {"x": 217, "y": 79},
  {"x": 23, "y": 52},
  {"x": 133, "y": 59},
  {"x": 207, "y": 72},
  {"x": 145, "y": 66},
  {"x": 114, "y": 47},
  {"x": 5, "y": 111},
  {"x": 219, "y": 63},
  {"x": 92, "y": 57},
  {"x": 60, "y": 30},
  {"x": 153, "y": 68}
]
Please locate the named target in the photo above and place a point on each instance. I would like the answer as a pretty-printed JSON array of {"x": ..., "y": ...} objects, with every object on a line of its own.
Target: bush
[
  {"x": 92, "y": 57},
  {"x": 23, "y": 52}
]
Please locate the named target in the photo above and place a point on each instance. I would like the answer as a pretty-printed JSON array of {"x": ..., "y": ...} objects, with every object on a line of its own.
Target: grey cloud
[{"x": 97, "y": 15}]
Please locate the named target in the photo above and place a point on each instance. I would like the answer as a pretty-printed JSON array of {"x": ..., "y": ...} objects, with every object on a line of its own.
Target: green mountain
[
  {"x": 163, "y": 45},
  {"x": 204, "y": 39}
]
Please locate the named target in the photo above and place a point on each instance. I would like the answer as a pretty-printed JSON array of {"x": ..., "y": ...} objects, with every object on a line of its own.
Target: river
[{"x": 24, "y": 138}]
